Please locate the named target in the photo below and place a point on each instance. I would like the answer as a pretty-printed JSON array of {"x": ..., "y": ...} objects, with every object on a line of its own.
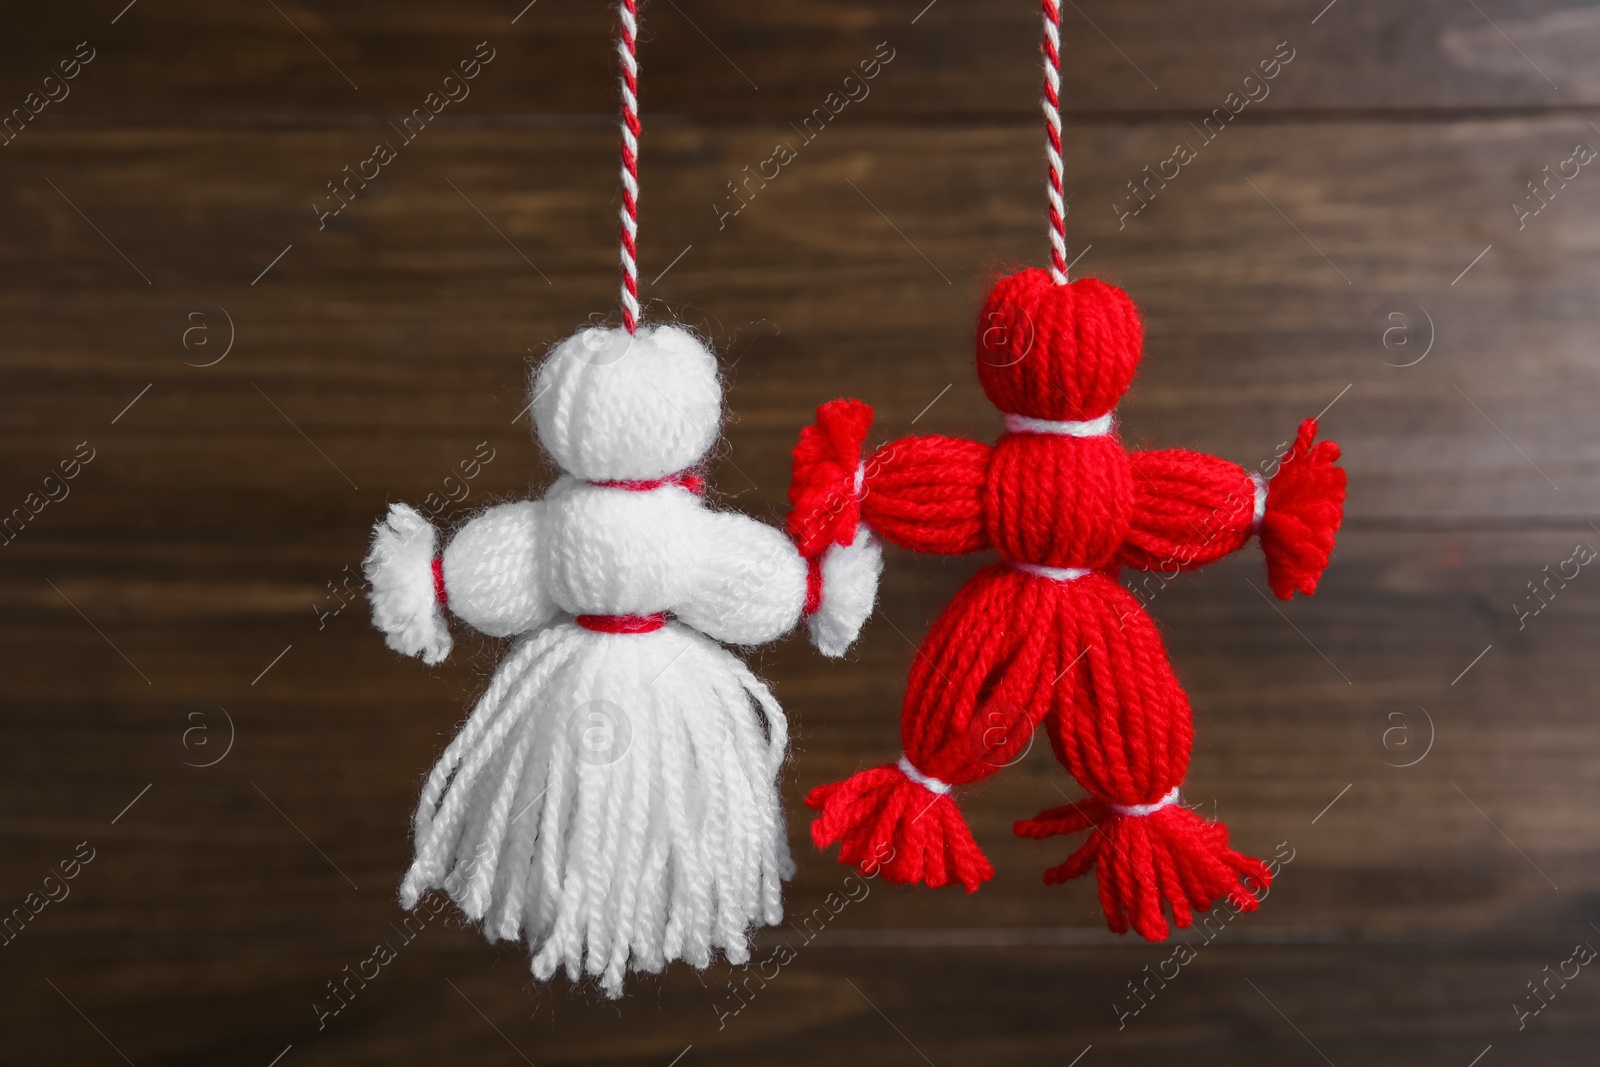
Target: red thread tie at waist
[
  {"x": 1055, "y": 574},
  {"x": 439, "y": 594},
  {"x": 623, "y": 624},
  {"x": 1139, "y": 810},
  {"x": 683, "y": 479}
]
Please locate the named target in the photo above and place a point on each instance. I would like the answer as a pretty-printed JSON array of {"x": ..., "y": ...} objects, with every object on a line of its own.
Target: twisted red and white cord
[
  {"x": 1052, "y": 148},
  {"x": 627, "y": 46}
]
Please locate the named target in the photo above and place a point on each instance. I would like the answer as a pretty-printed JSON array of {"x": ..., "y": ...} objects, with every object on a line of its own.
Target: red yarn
[
  {"x": 824, "y": 506},
  {"x": 1053, "y": 351},
  {"x": 922, "y": 493},
  {"x": 686, "y": 479},
  {"x": 1017, "y": 649},
  {"x": 813, "y": 602},
  {"x": 439, "y": 595},
  {"x": 1305, "y": 502},
  {"x": 1190, "y": 509},
  {"x": 889, "y": 824},
  {"x": 623, "y": 624}
]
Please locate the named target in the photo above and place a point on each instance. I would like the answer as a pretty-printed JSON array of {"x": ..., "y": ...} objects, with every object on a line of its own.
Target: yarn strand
[
  {"x": 627, "y": 48},
  {"x": 1052, "y": 135},
  {"x": 1048, "y": 639}
]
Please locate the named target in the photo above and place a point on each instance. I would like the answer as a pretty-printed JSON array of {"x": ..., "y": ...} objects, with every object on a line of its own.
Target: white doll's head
[{"x": 610, "y": 407}]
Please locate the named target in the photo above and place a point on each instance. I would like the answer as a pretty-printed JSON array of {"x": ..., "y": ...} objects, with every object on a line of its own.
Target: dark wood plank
[
  {"x": 1236, "y": 1002},
  {"x": 221, "y": 63},
  {"x": 204, "y": 559},
  {"x": 398, "y": 338}
]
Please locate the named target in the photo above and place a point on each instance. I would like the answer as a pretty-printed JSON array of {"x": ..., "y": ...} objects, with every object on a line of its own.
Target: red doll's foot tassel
[
  {"x": 1151, "y": 860},
  {"x": 887, "y": 824}
]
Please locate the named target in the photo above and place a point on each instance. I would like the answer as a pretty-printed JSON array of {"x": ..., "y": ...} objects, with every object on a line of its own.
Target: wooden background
[{"x": 166, "y": 613}]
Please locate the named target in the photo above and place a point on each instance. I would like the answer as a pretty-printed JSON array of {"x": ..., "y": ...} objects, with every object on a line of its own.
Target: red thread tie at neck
[
  {"x": 1063, "y": 428},
  {"x": 683, "y": 480},
  {"x": 1145, "y": 809},
  {"x": 623, "y": 624}
]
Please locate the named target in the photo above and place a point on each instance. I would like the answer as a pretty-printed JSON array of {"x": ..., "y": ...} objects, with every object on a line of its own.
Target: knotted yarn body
[
  {"x": 1047, "y": 636},
  {"x": 612, "y": 799}
]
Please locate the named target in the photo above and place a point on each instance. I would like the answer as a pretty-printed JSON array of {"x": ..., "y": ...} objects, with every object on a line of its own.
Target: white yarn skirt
[{"x": 613, "y": 799}]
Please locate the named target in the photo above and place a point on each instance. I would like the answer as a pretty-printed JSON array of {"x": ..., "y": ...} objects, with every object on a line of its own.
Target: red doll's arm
[
  {"x": 926, "y": 494},
  {"x": 921, "y": 493},
  {"x": 1189, "y": 509},
  {"x": 1193, "y": 509}
]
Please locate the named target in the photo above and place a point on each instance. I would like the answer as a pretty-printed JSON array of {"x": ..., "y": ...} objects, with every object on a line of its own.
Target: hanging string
[
  {"x": 627, "y": 44},
  {"x": 1052, "y": 134}
]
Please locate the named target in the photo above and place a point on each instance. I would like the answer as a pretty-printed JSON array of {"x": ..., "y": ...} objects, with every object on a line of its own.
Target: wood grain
[
  {"x": 187, "y": 60},
  {"x": 197, "y": 583}
]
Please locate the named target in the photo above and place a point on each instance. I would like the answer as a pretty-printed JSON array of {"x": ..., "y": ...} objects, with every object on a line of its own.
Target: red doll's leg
[
  {"x": 1121, "y": 724},
  {"x": 979, "y": 687}
]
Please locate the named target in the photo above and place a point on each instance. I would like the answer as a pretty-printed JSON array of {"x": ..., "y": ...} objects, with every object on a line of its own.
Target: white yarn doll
[{"x": 613, "y": 796}]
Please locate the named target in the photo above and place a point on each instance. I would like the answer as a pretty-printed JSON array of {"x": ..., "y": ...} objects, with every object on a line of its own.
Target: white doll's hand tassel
[
  {"x": 406, "y": 586},
  {"x": 849, "y": 579}
]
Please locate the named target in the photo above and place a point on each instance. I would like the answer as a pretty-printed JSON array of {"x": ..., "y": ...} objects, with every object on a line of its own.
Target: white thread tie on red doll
[
  {"x": 1055, "y": 574},
  {"x": 1260, "y": 511},
  {"x": 1061, "y": 428},
  {"x": 928, "y": 782},
  {"x": 1146, "y": 809}
]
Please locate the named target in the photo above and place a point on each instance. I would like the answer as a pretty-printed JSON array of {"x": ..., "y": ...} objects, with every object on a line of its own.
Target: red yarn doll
[{"x": 1047, "y": 635}]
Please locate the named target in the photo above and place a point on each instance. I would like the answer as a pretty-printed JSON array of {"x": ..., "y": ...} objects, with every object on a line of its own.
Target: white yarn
[
  {"x": 1055, "y": 574},
  {"x": 1260, "y": 510},
  {"x": 612, "y": 799},
  {"x": 611, "y": 407},
  {"x": 737, "y": 557},
  {"x": 614, "y": 552},
  {"x": 1067, "y": 427},
  {"x": 1146, "y": 809},
  {"x": 605, "y": 857},
  {"x": 849, "y": 589},
  {"x": 400, "y": 570},
  {"x": 489, "y": 571},
  {"x": 928, "y": 782}
]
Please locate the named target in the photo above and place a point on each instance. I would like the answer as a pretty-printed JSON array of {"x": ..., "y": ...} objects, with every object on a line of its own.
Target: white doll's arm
[
  {"x": 488, "y": 576},
  {"x": 750, "y": 582},
  {"x": 493, "y": 578}
]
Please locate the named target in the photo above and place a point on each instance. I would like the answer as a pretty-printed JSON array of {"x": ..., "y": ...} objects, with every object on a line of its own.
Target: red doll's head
[{"x": 1057, "y": 352}]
